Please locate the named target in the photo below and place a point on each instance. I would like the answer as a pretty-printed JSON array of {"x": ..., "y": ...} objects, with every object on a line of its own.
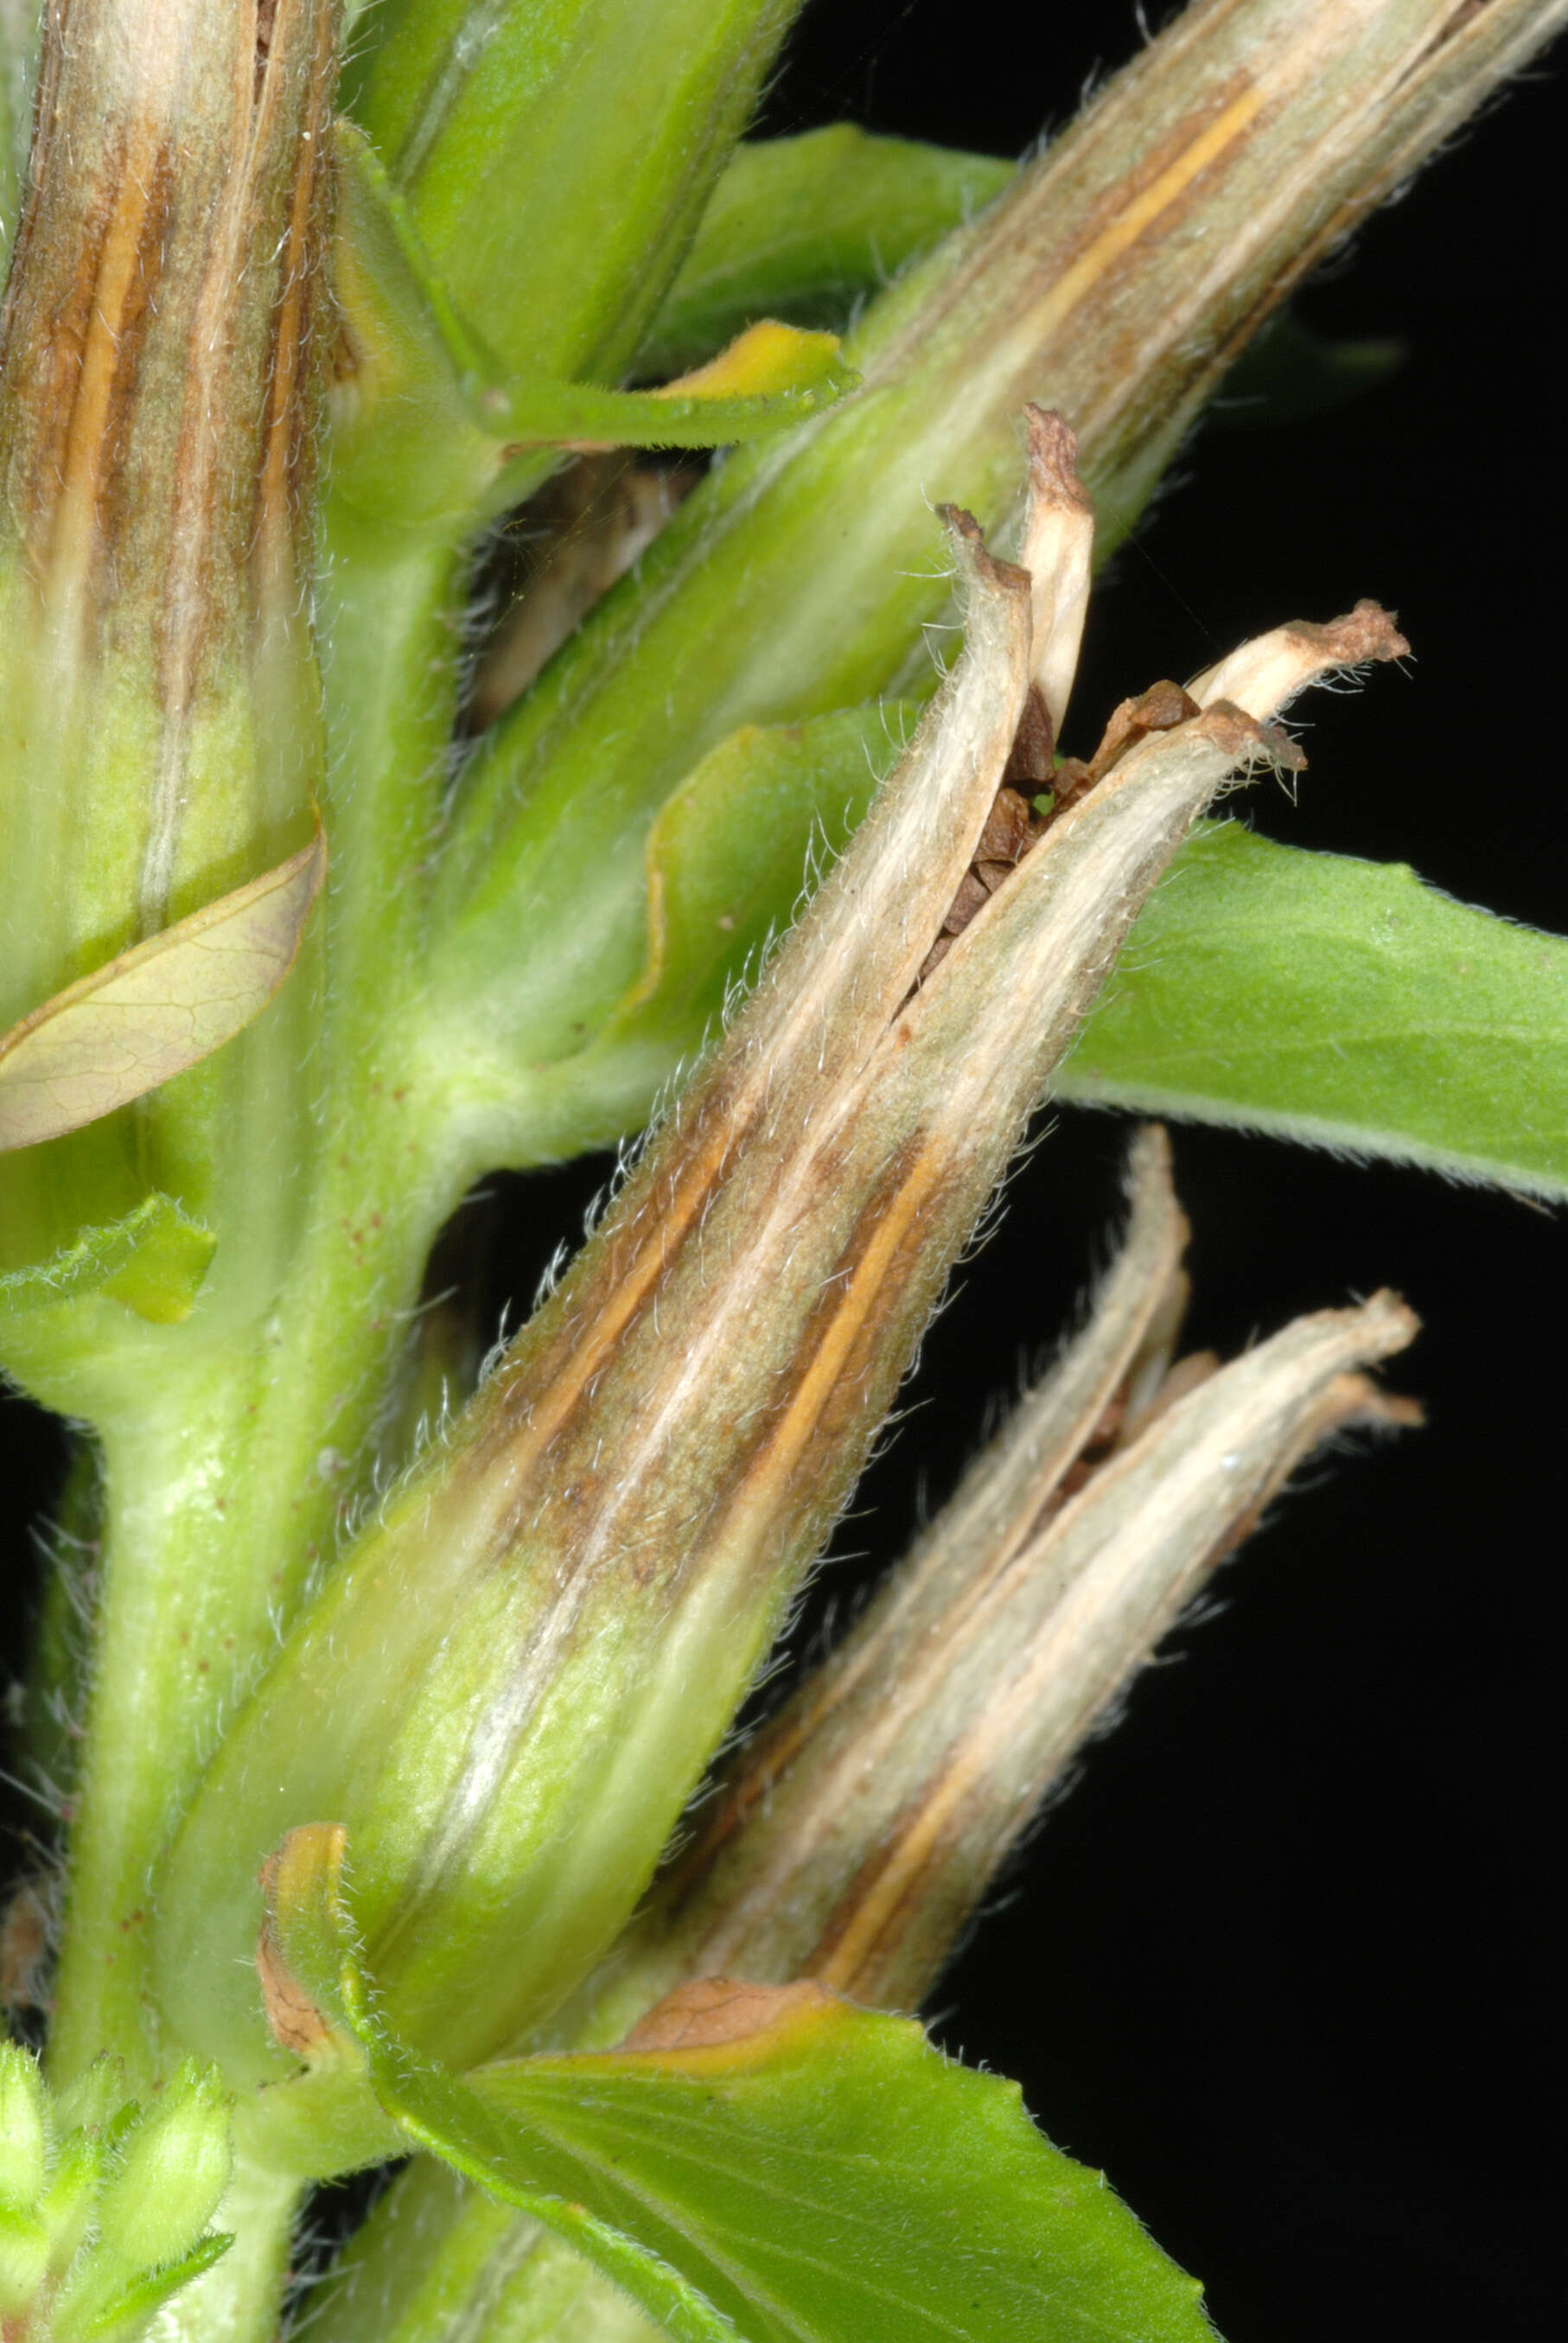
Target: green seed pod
[
  {"x": 23, "y": 2261},
  {"x": 24, "y": 2130},
  {"x": 173, "y": 2169}
]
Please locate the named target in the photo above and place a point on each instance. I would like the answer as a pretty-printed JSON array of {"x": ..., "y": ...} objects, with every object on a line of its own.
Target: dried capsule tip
[
  {"x": 856, "y": 1834},
  {"x": 1056, "y": 549}
]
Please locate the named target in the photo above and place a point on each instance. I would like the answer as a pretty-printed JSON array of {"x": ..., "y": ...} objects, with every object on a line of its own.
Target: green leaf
[
  {"x": 804, "y": 228},
  {"x": 153, "y": 1261},
  {"x": 430, "y": 429},
  {"x": 769, "y": 377},
  {"x": 827, "y": 2174},
  {"x": 557, "y": 157},
  {"x": 1340, "y": 1004},
  {"x": 768, "y": 2161},
  {"x": 1290, "y": 374},
  {"x": 727, "y": 856}
]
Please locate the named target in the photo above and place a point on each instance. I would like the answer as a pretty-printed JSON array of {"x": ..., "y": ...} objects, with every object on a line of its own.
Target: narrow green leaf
[
  {"x": 770, "y": 2162},
  {"x": 429, "y": 431},
  {"x": 1291, "y": 374},
  {"x": 153, "y": 1261},
  {"x": 804, "y": 228},
  {"x": 1340, "y": 1004},
  {"x": 772, "y": 374}
]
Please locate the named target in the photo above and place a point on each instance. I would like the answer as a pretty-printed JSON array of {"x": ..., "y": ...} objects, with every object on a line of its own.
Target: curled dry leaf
[
  {"x": 1159, "y": 709},
  {"x": 155, "y": 1010}
]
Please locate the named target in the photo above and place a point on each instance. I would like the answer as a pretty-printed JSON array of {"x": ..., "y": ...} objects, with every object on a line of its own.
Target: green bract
[
  {"x": 104, "y": 2206},
  {"x": 768, "y": 2163}
]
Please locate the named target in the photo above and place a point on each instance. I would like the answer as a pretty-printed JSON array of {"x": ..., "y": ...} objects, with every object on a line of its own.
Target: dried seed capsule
[
  {"x": 508, "y": 1688},
  {"x": 158, "y": 412}
]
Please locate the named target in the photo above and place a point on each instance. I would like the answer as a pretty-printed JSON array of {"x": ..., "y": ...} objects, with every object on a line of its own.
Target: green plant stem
[
  {"x": 220, "y": 1494},
  {"x": 228, "y": 1465},
  {"x": 230, "y": 1461}
]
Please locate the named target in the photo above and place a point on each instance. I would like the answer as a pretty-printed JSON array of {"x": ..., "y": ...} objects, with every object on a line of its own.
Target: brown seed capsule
[
  {"x": 508, "y": 1689},
  {"x": 159, "y": 413},
  {"x": 854, "y": 1836}
]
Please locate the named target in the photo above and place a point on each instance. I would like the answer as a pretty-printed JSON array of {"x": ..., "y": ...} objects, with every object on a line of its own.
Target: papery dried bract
[
  {"x": 1264, "y": 675},
  {"x": 1058, "y": 551}
]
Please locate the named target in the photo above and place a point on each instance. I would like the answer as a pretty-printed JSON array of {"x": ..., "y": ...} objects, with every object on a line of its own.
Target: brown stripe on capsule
[
  {"x": 531, "y": 1404},
  {"x": 157, "y": 404},
  {"x": 75, "y": 336},
  {"x": 643, "y": 1240},
  {"x": 1155, "y": 186},
  {"x": 828, "y": 1375},
  {"x": 781, "y": 1483},
  {"x": 289, "y": 426},
  {"x": 844, "y": 1363},
  {"x": 249, "y": 408},
  {"x": 906, "y": 1875}
]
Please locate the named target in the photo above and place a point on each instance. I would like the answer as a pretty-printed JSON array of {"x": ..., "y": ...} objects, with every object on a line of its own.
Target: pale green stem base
[{"x": 234, "y": 1450}]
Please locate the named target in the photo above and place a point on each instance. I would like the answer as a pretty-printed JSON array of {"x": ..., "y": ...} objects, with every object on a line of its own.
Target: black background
[{"x": 1282, "y": 1963}]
